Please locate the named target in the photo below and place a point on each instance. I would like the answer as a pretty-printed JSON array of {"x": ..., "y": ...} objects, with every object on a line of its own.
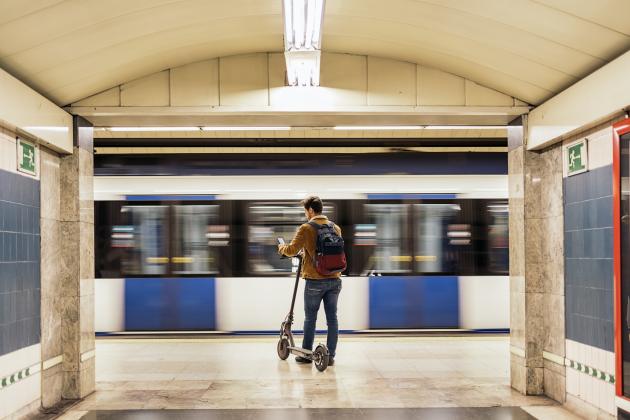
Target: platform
[{"x": 415, "y": 377}]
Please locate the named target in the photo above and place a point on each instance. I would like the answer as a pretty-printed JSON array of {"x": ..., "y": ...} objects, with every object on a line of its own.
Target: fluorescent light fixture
[
  {"x": 302, "y": 40},
  {"x": 151, "y": 128},
  {"x": 245, "y": 128},
  {"x": 418, "y": 127},
  {"x": 378, "y": 127},
  {"x": 303, "y": 24},
  {"x": 302, "y": 67},
  {"x": 464, "y": 127},
  {"x": 231, "y": 128}
]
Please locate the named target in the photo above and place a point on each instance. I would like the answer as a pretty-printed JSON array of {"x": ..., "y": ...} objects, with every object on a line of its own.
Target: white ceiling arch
[{"x": 528, "y": 49}]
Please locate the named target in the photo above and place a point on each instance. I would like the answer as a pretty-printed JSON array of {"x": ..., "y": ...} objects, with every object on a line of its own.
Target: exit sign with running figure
[
  {"x": 27, "y": 158},
  {"x": 576, "y": 157}
]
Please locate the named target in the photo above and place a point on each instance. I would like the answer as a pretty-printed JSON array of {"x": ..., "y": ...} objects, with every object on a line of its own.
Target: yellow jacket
[{"x": 305, "y": 239}]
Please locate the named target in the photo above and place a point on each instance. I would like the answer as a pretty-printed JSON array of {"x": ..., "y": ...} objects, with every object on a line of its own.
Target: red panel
[{"x": 619, "y": 129}]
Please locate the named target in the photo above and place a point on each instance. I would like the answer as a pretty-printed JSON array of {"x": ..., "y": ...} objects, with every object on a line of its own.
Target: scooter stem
[{"x": 295, "y": 288}]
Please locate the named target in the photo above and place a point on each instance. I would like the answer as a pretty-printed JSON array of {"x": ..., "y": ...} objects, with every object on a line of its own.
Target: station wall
[
  {"x": 588, "y": 238},
  {"x": 31, "y": 282},
  {"x": 20, "y": 349}
]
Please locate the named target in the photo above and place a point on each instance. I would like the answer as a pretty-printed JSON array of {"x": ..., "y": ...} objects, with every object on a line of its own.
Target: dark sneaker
[
  {"x": 301, "y": 359},
  {"x": 331, "y": 360}
]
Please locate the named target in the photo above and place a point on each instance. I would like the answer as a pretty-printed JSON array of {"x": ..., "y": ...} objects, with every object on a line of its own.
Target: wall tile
[
  {"x": 52, "y": 381},
  {"x": 51, "y": 327},
  {"x": 588, "y": 257},
  {"x": 50, "y": 185},
  {"x": 244, "y": 80},
  {"x": 555, "y": 326},
  {"x": 86, "y": 323},
  {"x": 390, "y": 82},
  {"x": 19, "y": 262},
  {"x": 554, "y": 385},
  {"x": 50, "y": 257}
]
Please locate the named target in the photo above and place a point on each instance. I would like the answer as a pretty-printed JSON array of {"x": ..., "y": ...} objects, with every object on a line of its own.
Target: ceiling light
[
  {"x": 378, "y": 127},
  {"x": 303, "y": 24},
  {"x": 419, "y": 127},
  {"x": 302, "y": 40},
  {"x": 230, "y": 128},
  {"x": 245, "y": 128},
  {"x": 302, "y": 67},
  {"x": 464, "y": 127},
  {"x": 152, "y": 128}
]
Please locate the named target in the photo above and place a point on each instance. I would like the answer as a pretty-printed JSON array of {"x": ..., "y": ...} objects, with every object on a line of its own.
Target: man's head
[{"x": 313, "y": 206}]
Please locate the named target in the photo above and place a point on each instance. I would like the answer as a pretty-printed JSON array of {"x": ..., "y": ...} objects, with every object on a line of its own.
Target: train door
[{"x": 621, "y": 197}]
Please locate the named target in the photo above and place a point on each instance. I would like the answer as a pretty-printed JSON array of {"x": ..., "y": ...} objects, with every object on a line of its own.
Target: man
[{"x": 318, "y": 288}]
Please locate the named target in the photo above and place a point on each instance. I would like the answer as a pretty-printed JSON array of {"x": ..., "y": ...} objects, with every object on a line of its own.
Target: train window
[
  {"x": 387, "y": 231},
  {"x": 198, "y": 237},
  {"x": 144, "y": 240},
  {"x": 269, "y": 221},
  {"x": 498, "y": 228},
  {"x": 433, "y": 249}
]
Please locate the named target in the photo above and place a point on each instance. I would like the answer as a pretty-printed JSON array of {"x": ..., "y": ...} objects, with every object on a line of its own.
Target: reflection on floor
[
  {"x": 245, "y": 373},
  {"x": 476, "y": 413}
]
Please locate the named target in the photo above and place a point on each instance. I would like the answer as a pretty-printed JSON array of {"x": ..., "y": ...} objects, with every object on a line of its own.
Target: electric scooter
[{"x": 286, "y": 344}]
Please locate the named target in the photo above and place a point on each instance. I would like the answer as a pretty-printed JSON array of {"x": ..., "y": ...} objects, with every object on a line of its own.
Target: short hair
[{"x": 313, "y": 202}]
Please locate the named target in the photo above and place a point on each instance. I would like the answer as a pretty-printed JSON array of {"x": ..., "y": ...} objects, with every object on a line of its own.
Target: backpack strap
[{"x": 316, "y": 225}]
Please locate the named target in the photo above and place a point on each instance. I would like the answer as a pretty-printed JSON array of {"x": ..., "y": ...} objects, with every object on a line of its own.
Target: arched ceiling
[{"x": 528, "y": 49}]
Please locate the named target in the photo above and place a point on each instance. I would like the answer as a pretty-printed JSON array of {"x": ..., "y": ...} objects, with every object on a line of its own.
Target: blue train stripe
[
  {"x": 414, "y": 302},
  {"x": 386, "y": 196},
  {"x": 412, "y": 333},
  {"x": 168, "y": 304},
  {"x": 170, "y": 197}
]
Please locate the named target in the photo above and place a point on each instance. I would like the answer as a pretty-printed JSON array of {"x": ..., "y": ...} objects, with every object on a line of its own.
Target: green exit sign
[
  {"x": 576, "y": 157},
  {"x": 27, "y": 157}
]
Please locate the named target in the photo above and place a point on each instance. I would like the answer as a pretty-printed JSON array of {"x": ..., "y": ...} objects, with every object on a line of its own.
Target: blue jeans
[{"x": 314, "y": 292}]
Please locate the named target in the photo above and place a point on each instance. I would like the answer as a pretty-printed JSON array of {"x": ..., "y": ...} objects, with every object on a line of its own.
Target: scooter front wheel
[
  {"x": 320, "y": 357},
  {"x": 283, "y": 349}
]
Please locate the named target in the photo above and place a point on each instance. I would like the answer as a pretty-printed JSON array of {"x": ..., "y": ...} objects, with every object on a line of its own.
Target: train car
[{"x": 193, "y": 247}]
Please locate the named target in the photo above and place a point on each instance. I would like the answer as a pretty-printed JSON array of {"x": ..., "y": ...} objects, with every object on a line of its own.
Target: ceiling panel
[
  {"x": 15, "y": 9},
  {"x": 528, "y": 49},
  {"x": 613, "y": 14}
]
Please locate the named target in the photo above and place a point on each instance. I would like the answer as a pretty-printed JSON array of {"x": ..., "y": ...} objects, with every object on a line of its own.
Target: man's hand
[{"x": 280, "y": 249}]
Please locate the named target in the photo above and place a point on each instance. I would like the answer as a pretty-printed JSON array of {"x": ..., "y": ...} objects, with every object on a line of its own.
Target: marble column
[
  {"x": 51, "y": 290},
  {"x": 77, "y": 261},
  {"x": 551, "y": 216},
  {"x": 526, "y": 323},
  {"x": 536, "y": 267}
]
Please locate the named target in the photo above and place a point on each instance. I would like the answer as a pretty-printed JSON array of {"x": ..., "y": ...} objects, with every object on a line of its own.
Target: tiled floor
[
  {"x": 245, "y": 373},
  {"x": 453, "y": 413}
]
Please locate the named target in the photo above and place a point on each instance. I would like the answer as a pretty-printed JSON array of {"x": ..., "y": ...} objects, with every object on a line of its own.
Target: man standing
[{"x": 318, "y": 288}]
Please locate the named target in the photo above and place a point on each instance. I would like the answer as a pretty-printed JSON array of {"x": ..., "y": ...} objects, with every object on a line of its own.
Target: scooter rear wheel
[
  {"x": 320, "y": 358},
  {"x": 283, "y": 349}
]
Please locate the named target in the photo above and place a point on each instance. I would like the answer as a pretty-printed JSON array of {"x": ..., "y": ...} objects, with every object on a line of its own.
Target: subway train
[{"x": 192, "y": 246}]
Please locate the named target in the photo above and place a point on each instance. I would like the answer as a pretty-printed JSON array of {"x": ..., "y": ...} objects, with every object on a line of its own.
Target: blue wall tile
[
  {"x": 20, "y": 310},
  {"x": 588, "y": 241}
]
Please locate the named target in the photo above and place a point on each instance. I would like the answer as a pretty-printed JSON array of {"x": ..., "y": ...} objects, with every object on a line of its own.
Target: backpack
[{"x": 330, "y": 257}]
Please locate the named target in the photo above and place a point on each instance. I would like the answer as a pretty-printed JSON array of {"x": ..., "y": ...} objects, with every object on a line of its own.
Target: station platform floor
[{"x": 373, "y": 377}]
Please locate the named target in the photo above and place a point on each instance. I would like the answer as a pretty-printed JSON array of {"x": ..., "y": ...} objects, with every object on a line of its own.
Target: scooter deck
[{"x": 300, "y": 351}]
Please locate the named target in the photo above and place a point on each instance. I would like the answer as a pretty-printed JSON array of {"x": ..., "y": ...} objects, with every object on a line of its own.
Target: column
[
  {"x": 77, "y": 260},
  {"x": 526, "y": 322},
  {"x": 551, "y": 215},
  {"x": 51, "y": 290},
  {"x": 536, "y": 267}
]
